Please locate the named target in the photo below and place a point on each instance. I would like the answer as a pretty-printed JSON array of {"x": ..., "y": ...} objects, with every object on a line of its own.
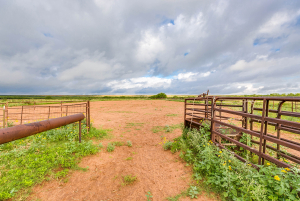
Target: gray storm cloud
[{"x": 146, "y": 47}]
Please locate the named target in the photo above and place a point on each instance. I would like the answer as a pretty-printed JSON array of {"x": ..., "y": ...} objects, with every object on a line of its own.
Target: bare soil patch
[{"x": 162, "y": 173}]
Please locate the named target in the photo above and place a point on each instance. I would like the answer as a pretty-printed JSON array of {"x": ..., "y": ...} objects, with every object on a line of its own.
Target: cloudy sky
[{"x": 147, "y": 47}]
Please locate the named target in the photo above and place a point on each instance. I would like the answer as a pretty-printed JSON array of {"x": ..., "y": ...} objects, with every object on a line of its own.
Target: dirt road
[{"x": 162, "y": 173}]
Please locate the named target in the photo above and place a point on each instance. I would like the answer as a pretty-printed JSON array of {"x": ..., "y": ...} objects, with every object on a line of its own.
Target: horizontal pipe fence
[
  {"x": 17, "y": 132},
  {"x": 13, "y": 115},
  {"x": 264, "y": 128}
]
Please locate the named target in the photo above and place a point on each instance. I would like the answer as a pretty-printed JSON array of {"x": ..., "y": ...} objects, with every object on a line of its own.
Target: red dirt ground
[{"x": 162, "y": 173}]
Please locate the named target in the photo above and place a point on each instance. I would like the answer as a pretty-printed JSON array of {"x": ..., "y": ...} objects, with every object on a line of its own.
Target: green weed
[
  {"x": 172, "y": 115},
  {"x": 234, "y": 179},
  {"x": 149, "y": 196},
  {"x": 167, "y": 128},
  {"x": 128, "y": 179},
  {"x": 110, "y": 147},
  {"x": 129, "y": 143},
  {"x": 118, "y": 144},
  {"x": 31, "y": 160},
  {"x": 167, "y": 145}
]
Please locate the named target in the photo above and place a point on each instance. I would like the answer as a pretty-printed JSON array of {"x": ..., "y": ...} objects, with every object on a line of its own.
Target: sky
[{"x": 91, "y": 47}]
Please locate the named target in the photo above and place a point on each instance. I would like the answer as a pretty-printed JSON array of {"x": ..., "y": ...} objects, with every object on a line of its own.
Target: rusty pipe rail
[
  {"x": 21, "y": 131},
  {"x": 266, "y": 143}
]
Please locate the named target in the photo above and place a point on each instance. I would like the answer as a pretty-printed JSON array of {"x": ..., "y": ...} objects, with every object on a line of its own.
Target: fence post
[
  {"x": 67, "y": 111},
  {"x": 220, "y": 113},
  {"x": 206, "y": 108},
  {"x": 49, "y": 113},
  {"x": 246, "y": 111},
  {"x": 279, "y": 126},
  {"x": 80, "y": 131},
  {"x": 89, "y": 109},
  {"x": 292, "y": 106},
  {"x": 212, "y": 127},
  {"x": 265, "y": 130},
  {"x": 60, "y": 108},
  {"x": 184, "y": 116},
  {"x": 3, "y": 116},
  {"x": 22, "y": 115},
  {"x": 86, "y": 115},
  {"x": 6, "y": 110},
  {"x": 262, "y": 130}
]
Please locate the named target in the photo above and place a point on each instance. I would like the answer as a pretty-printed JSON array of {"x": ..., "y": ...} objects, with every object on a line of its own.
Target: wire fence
[{"x": 39, "y": 111}]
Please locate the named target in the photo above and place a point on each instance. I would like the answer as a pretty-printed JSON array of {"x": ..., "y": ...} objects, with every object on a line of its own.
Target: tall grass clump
[
  {"x": 233, "y": 179},
  {"x": 29, "y": 161}
]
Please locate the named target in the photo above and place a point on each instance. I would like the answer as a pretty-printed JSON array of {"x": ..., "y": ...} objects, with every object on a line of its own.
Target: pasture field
[
  {"x": 131, "y": 164},
  {"x": 126, "y": 157}
]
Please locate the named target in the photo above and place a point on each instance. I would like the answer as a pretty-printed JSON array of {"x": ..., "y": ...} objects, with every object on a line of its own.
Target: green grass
[
  {"x": 45, "y": 156},
  {"x": 231, "y": 178},
  {"x": 118, "y": 143},
  {"x": 167, "y": 128},
  {"x": 110, "y": 147},
  {"x": 129, "y": 143},
  {"x": 120, "y": 112},
  {"x": 130, "y": 125},
  {"x": 172, "y": 115},
  {"x": 128, "y": 179},
  {"x": 129, "y": 158}
]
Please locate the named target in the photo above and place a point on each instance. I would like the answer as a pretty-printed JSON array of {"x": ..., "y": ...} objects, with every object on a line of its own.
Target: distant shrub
[{"x": 159, "y": 96}]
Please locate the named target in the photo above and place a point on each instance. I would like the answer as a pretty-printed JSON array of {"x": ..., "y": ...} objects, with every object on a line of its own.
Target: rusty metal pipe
[{"x": 21, "y": 131}]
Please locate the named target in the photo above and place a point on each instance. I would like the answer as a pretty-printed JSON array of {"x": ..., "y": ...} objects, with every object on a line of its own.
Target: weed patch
[
  {"x": 110, "y": 147},
  {"x": 167, "y": 128},
  {"x": 31, "y": 160},
  {"x": 129, "y": 143},
  {"x": 128, "y": 179},
  {"x": 172, "y": 115},
  {"x": 233, "y": 179}
]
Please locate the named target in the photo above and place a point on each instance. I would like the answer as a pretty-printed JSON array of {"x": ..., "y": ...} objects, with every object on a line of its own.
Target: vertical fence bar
[
  {"x": 243, "y": 110},
  {"x": 212, "y": 127},
  {"x": 265, "y": 130},
  {"x": 246, "y": 111},
  {"x": 220, "y": 113},
  {"x": 89, "y": 110},
  {"x": 279, "y": 127},
  {"x": 184, "y": 116},
  {"x": 292, "y": 106},
  {"x": 251, "y": 122},
  {"x": 61, "y": 109},
  {"x": 6, "y": 109},
  {"x": 49, "y": 113},
  {"x": 22, "y": 115},
  {"x": 80, "y": 131},
  {"x": 67, "y": 111},
  {"x": 3, "y": 116},
  {"x": 262, "y": 130}
]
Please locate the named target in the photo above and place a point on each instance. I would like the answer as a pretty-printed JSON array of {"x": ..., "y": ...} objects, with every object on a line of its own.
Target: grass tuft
[{"x": 128, "y": 179}]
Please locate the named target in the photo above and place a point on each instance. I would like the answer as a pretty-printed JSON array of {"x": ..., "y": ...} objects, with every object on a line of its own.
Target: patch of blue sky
[
  {"x": 167, "y": 21},
  {"x": 48, "y": 35},
  {"x": 186, "y": 53},
  {"x": 260, "y": 41},
  {"x": 274, "y": 49}
]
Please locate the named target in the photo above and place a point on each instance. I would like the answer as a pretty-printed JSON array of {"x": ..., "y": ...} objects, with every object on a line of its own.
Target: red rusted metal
[
  {"x": 21, "y": 131},
  {"x": 212, "y": 105}
]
